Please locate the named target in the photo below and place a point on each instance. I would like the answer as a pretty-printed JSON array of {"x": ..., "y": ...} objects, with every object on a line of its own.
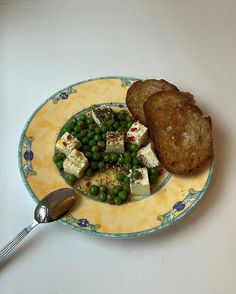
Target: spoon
[{"x": 51, "y": 208}]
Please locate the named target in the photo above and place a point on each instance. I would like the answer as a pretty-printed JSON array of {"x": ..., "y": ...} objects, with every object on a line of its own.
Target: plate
[{"x": 174, "y": 197}]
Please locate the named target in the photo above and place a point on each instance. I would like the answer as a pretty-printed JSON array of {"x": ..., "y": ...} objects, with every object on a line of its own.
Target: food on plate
[
  {"x": 181, "y": 135},
  {"x": 139, "y": 182},
  {"x": 75, "y": 163},
  {"x": 147, "y": 156},
  {"x": 139, "y": 92},
  {"x": 67, "y": 143},
  {"x": 103, "y": 114},
  {"x": 137, "y": 134},
  {"x": 115, "y": 142},
  {"x": 107, "y": 146}
]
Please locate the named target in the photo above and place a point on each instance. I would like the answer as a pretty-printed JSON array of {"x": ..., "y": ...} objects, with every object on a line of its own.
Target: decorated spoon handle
[{"x": 15, "y": 241}]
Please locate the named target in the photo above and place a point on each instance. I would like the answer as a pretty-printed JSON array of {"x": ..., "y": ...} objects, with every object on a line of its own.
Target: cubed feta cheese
[
  {"x": 115, "y": 142},
  {"x": 137, "y": 134},
  {"x": 99, "y": 112},
  {"x": 147, "y": 156},
  {"x": 75, "y": 164},
  {"x": 140, "y": 186},
  {"x": 67, "y": 143}
]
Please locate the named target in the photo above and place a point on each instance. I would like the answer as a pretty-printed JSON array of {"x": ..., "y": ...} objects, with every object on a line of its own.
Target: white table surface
[{"x": 47, "y": 45}]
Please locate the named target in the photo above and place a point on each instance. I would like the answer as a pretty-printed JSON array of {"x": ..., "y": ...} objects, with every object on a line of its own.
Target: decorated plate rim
[{"x": 94, "y": 233}]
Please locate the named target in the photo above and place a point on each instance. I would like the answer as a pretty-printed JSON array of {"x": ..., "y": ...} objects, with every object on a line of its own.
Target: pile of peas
[{"x": 93, "y": 140}]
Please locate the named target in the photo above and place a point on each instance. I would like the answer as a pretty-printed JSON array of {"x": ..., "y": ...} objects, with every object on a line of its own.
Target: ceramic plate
[{"x": 174, "y": 197}]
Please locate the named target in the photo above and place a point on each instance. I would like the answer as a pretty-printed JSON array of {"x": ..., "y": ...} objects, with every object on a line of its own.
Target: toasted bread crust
[
  {"x": 181, "y": 135},
  {"x": 138, "y": 93}
]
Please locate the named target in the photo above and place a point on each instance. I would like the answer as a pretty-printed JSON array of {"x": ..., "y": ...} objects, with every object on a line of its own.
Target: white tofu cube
[
  {"x": 147, "y": 156},
  {"x": 137, "y": 134},
  {"x": 67, "y": 143},
  {"x": 75, "y": 164},
  {"x": 140, "y": 186},
  {"x": 98, "y": 114},
  {"x": 115, "y": 142}
]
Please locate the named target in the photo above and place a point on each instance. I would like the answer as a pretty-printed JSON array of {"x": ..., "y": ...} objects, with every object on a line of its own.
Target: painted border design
[{"x": 95, "y": 233}]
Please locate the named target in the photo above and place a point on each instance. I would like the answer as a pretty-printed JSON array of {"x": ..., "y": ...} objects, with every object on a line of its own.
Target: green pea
[
  {"x": 96, "y": 156},
  {"x": 106, "y": 158},
  {"x": 110, "y": 197},
  {"x": 101, "y": 165},
  {"x": 134, "y": 154},
  {"x": 127, "y": 153},
  {"x": 135, "y": 161},
  {"x": 58, "y": 156},
  {"x": 117, "y": 200},
  {"x": 128, "y": 158},
  {"x": 121, "y": 115},
  {"x": 90, "y": 120},
  {"x": 121, "y": 129},
  {"x": 71, "y": 179},
  {"x": 77, "y": 129},
  {"x": 110, "y": 128},
  {"x": 80, "y": 123},
  {"x": 135, "y": 174},
  {"x": 102, "y": 196},
  {"x": 83, "y": 117},
  {"x": 94, "y": 165},
  {"x": 104, "y": 136},
  {"x": 60, "y": 164},
  {"x": 121, "y": 160},
  {"x": 114, "y": 157},
  {"x": 104, "y": 129},
  {"x": 97, "y": 137},
  {"x": 123, "y": 124},
  {"x": 101, "y": 144},
  {"x": 133, "y": 147},
  {"x": 103, "y": 188},
  {"x": 126, "y": 187},
  {"x": 94, "y": 149},
  {"x": 120, "y": 177},
  {"x": 92, "y": 127},
  {"x": 85, "y": 140},
  {"x": 88, "y": 154},
  {"x": 126, "y": 180},
  {"x": 79, "y": 136},
  {"x": 129, "y": 119},
  {"x": 153, "y": 171},
  {"x": 84, "y": 132},
  {"x": 153, "y": 179},
  {"x": 73, "y": 134},
  {"x": 116, "y": 189},
  {"x": 85, "y": 148},
  {"x": 127, "y": 166},
  {"x": 97, "y": 130},
  {"x": 129, "y": 125},
  {"x": 89, "y": 172},
  {"x": 90, "y": 135},
  {"x": 93, "y": 190},
  {"x": 92, "y": 143},
  {"x": 135, "y": 166},
  {"x": 107, "y": 117},
  {"x": 115, "y": 125},
  {"x": 123, "y": 195}
]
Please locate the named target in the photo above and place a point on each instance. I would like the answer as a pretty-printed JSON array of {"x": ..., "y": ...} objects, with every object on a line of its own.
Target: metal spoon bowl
[{"x": 51, "y": 208}]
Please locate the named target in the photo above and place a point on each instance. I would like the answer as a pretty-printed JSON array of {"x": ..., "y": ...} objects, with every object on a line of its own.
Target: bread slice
[
  {"x": 138, "y": 93},
  {"x": 181, "y": 135}
]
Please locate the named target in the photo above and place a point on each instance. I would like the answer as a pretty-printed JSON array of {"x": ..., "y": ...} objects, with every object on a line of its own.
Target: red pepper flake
[
  {"x": 130, "y": 138},
  {"x": 64, "y": 143},
  {"x": 69, "y": 137},
  {"x": 88, "y": 184},
  {"x": 133, "y": 129},
  {"x": 161, "y": 171}
]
